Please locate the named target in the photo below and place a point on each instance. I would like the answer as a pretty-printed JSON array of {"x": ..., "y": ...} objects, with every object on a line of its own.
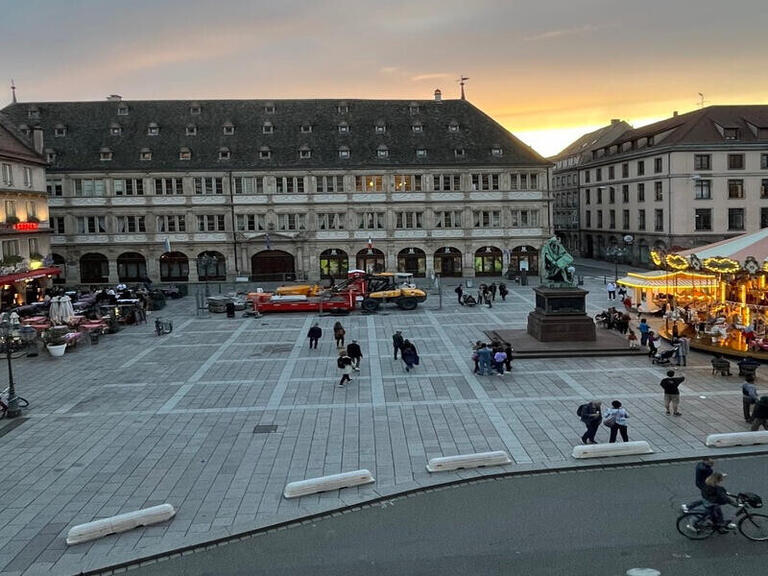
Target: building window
[
  {"x": 60, "y": 131},
  {"x": 50, "y": 156},
  {"x": 589, "y": 219},
  {"x": 640, "y": 167},
  {"x": 599, "y": 175},
  {"x": 27, "y": 177},
  {"x": 369, "y": 184},
  {"x": 486, "y": 218},
  {"x": 209, "y": 185},
  {"x": 33, "y": 113},
  {"x": 417, "y": 128},
  {"x": 763, "y": 217},
  {"x": 658, "y": 191},
  {"x": 658, "y": 220},
  {"x": 185, "y": 154},
  {"x": 611, "y": 172},
  {"x": 587, "y": 196},
  {"x": 229, "y": 129},
  {"x": 10, "y": 209},
  {"x": 57, "y": 224},
  {"x": 105, "y": 155},
  {"x": 735, "y": 161},
  {"x": 764, "y": 188},
  {"x": 289, "y": 184},
  {"x": 306, "y": 128},
  {"x": 612, "y": 195},
  {"x": 735, "y": 189},
  {"x": 210, "y": 222},
  {"x": 587, "y": 176},
  {"x": 54, "y": 188},
  {"x": 153, "y": 129},
  {"x": 453, "y": 126},
  {"x": 658, "y": 165},
  {"x": 342, "y": 108},
  {"x": 115, "y": 130},
  {"x": 330, "y": 221},
  {"x": 168, "y": 186},
  {"x": 224, "y": 154},
  {"x": 703, "y": 189},
  {"x": 194, "y": 109},
  {"x": 458, "y": 152},
  {"x": 641, "y": 192},
  {"x": 371, "y": 221},
  {"x": 267, "y": 128},
  {"x": 764, "y": 161},
  {"x": 407, "y": 182},
  {"x": 130, "y": 224},
  {"x": 735, "y": 218},
  {"x": 533, "y": 181},
  {"x": 625, "y": 170},
  {"x": 599, "y": 195},
  {"x": 702, "y": 162},
  {"x": 612, "y": 219},
  {"x": 128, "y": 187},
  {"x": 249, "y": 185},
  {"x": 485, "y": 181},
  {"x": 599, "y": 218},
  {"x": 145, "y": 155},
  {"x": 344, "y": 153},
  {"x": 421, "y": 152},
  {"x": 265, "y": 154},
  {"x": 448, "y": 219},
  {"x": 191, "y": 130},
  {"x": 290, "y": 222},
  {"x": 90, "y": 225},
  {"x": 269, "y": 108},
  {"x": 625, "y": 219},
  {"x": 172, "y": 223},
  {"x": 382, "y": 153},
  {"x": 703, "y": 219},
  {"x": 330, "y": 184},
  {"x": 641, "y": 219},
  {"x": 305, "y": 154},
  {"x": 625, "y": 193},
  {"x": 122, "y": 110},
  {"x": 86, "y": 187},
  {"x": 731, "y": 133},
  {"x": 413, "y": 109},
  {"x": 380, "y": 128},
  {"x": 447, "y": 182},
  {"x": 525, "y": 218},
  {"x": 343, "y": 128},
  {"x": 497, "y": 152},
  {"x": 251, "y": 222}
]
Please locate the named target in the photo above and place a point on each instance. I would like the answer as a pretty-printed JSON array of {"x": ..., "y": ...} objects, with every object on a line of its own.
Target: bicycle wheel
[
  {"x": 696, "y": 526},
  {"x": 754, "y": 527}
]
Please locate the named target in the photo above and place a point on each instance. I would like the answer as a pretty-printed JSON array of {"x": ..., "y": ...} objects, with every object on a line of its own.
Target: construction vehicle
[{"x": 397, "y": 288}]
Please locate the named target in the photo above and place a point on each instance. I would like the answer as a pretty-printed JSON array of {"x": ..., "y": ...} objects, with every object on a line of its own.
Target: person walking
[
  {"x": 476, "y": 357},
  {"x": 644, "y": 330},
  {"x": 409, "y": 355},
  {"x": 703, "y": 471},
  {"x": 760, "y": 414},
  {"x": 338, "y": 334},
  {"x": 314, "y": 334},
  {"x": 684, "y": 347},
  {"x": 493, "y": 289},
  {"x": 591, "y": 415},
  {"x": 397, "y": 342},
  {"x": 748, "y": 396},
  {"x": 487, "y": 296},
  {"x": 508, "y": 361},
  {"x": 484, "y": 356},
  {"x": 460, "y": 293},
  {"x": 344, "y": 362},
  {"x": 632, "y": 339},
  {"x": 616, "y": 419},
  {"x": 499, "y": 358},
  {"x": 354, "y": 352},
  {"x": 503, "y": 291},
  {"x": 611, "y": 288},
  {"x": 671, "y": 385}
]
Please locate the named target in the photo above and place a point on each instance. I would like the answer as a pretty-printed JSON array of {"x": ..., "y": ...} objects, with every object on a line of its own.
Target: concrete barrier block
[
  {"x": 615, "y": 449},
  {"x": 737, "y": 439},
  {"x": 327, "y": 483},
  {"x": 479, "y": 460},
  {"x": 120, "y": 523}
]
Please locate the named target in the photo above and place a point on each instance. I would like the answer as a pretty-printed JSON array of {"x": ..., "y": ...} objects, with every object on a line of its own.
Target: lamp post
[
  {"x": 9, "y": 329},
  {"x": 620, "y": 251},
  {"x": 204, "y": 262}
]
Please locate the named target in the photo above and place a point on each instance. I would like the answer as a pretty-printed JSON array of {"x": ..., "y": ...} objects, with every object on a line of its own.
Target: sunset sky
[{"x": 547, "y": 70}]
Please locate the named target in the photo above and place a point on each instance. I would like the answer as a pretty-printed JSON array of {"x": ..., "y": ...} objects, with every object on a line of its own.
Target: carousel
[{"x": 715, "y": 295}]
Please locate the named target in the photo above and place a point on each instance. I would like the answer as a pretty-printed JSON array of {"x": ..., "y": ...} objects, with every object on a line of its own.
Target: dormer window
[
  {"x": 380, "y": 127},
  {"x": 122, "y": 110},
  {"x": 413, "y": 108},
  {"x": 497, "y": 152},
  {"x": 649, "y": 141},
  {"x": 50, "y": 155},
  {"x": 269, "y": 108},
  {"x": 306, "y": 128},
  {"x": 191, "y": 130},
  {"x": 342, "y": 108},
  {"x": 305, "y": 153},
  {"x": 344, "y": 152},
  {"x": 417, "y": 128},
  {"x": 33, "y": 113},
  {"x": 105, "y": 154},
  {"x": 224, "y": 153},
  {"x": 453, "y": 126},
  {"x": 343, "y": 128},
  {"x": 115, "y": 130},
  {"x": 145, "y": 154},
  {"x": 265, "y": 153},
  {"x": 229, "y": 128},
  {"x": 185, "y": 153},
  {"x": 731, "y": 133},
  {"x": 194, "y": 109},
  {"x": 60, "y": 131},
  {"x": 24, "y": 129},
  {"x": 421, "y": 152},
  {"x": 382, "y": 152},
  {"x": 153, "y": 129},
  {"x": 267, "y": 128},
  {"x": 458, "y": 152}
]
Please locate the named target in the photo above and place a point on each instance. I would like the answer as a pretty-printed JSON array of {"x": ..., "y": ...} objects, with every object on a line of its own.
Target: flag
[
  {"x": 267, "y": 241},
  {"x": 167, "y": 244}
]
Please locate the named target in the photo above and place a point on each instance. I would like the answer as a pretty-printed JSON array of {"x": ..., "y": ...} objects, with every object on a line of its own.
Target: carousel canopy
[
  {"x": 754, "y": 244},
  {"x": 663, "y": 281}
]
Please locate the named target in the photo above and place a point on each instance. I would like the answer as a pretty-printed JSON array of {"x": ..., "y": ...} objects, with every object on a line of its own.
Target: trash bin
[
  {"x": 94, "y": 336},
  {"x": 230, "y": 308}
]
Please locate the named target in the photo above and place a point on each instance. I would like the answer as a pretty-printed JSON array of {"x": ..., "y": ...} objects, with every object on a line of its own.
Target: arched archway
[
  {"x": 174, "y": 267},
  {"x": 94, "y": 268},
  {"x": 489, "y": 261},
  {"x": 211, "y": 265},
  {"x": 448, "y": 262},
  {"x": 131, "y": 267},
  {"x": 413, "y": 260},
  {"x": 524, "y": 254},
  {"x": 61, "y": 263},
  {"x": 333, "y": 263},
  {"x": 371, "y": 260},
  {"x": 273, "y": 265}
]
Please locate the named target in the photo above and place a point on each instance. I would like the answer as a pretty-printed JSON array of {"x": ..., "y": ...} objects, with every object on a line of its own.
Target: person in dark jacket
[
  {"x": 503, "y": 291},
  {"x": 410, "y": 356},
  {"x": 760, "y": 414},
  {"x": 592, "y": 416},
  {"x": 354, "y": 352},
  {"x": 314, "y": 334},
  {"x": 397, "y": 342},
  {"x": 493, "y": 289},
  {"x": 508, "y": 362},
  {"x": 715, "y": 495},
  {"x": 703, "y": 471},
  {"x": 344, "y": 362},
  {"x": 338, "y": 334},
  {"x": 460, "y": 293},
  {"x": 671, "y": 385},
  {"x": 748, "y": 396}
]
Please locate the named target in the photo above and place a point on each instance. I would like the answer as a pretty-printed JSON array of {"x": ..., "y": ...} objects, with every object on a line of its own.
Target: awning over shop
[
  {"x": 663, "y": 281},
  {"x": 30, "y": 274}
]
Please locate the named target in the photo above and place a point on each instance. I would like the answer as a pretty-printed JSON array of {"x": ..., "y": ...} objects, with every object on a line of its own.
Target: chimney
[
  {"x": 615, "y": 121},
  {"x": 37, "y": 139},
  {"x": 674, "y": 114},
  {"x": 438, "y": 96},
  {"x": 114, "y": 98}
]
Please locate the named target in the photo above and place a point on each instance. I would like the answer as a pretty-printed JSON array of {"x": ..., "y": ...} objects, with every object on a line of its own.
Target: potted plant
[
  {"x": 10, "y": 261},
  {"x": 36, "y": 256},
  {"x": 55, "y": 341},
  {"x": 33, "y": 219},
  {"x": 12, "y": 220}
]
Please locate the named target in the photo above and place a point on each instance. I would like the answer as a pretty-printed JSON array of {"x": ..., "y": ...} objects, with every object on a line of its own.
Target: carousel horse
[{"x": 759, "y": 344}]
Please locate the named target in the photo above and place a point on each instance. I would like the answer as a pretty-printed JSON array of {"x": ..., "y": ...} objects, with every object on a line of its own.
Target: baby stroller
[
  {"x": 664, "y": 356},
  {"x": 468, "y": 300}
]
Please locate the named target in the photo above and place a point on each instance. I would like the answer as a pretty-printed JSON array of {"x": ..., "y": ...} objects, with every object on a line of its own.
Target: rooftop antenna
[
  {"x": 13, "y": 90},
  {"x": 701, "y": 100},
  {"x": 462, "y": 80}
]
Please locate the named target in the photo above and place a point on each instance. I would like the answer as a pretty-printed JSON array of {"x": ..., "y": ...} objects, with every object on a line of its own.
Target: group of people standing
[
  {"x": 486, "y": 294},
  {"x": 616, "y": 418},
  {"x": 492, "y": 357},
  {"x": 349, "y": 357}
]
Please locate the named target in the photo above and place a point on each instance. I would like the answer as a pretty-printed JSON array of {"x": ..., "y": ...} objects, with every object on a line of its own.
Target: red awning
[{"x": 39, "y": 273}]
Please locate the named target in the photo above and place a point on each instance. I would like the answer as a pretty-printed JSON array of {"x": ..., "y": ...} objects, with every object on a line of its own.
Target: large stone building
[
  {"x": 24, "y": 230},
  {"x": 565, "y": 181},
  {"x": 186, "y": 191},
  {"x": 688, "y": 180}
]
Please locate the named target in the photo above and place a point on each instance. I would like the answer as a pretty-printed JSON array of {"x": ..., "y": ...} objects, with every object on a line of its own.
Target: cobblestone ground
[{"x": 140, "y": 420}]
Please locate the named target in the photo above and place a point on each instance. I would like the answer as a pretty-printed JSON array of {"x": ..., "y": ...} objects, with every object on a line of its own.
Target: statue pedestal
[{"x": 560, "y": 316}]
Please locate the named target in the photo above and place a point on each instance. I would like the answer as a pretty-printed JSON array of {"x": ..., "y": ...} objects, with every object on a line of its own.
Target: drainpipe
[{"x": 234, "y": 223}]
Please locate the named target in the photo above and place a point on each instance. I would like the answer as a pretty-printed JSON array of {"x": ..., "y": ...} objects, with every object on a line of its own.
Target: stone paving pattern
[{"x": 140, "y": 420}]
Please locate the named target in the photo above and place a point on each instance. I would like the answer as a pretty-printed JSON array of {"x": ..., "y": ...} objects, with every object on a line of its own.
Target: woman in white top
[{"x": 616, "y": 419}]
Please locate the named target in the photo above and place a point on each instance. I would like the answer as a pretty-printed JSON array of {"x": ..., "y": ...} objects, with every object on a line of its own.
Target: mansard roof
[{"x": 88, "y": 130}]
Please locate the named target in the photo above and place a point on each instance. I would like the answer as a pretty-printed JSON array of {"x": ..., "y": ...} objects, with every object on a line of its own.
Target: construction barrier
[
  {"x": 737, "y": 439},
  {"x": 615, "y": 449},
  {"x": 327, "y": 483},
  {"x": 479, "y": 460},
  {"x": 120, "y": 523}
]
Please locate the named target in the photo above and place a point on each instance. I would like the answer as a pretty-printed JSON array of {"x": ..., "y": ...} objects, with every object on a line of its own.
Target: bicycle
[
  {"x": 23, "y": 403},
  {"x": 753, "y": 526},
  {"x": 163, "y": 326}
]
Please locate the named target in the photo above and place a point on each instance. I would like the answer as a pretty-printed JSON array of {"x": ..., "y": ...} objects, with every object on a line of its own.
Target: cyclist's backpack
[{"x": 581, "y": 410}]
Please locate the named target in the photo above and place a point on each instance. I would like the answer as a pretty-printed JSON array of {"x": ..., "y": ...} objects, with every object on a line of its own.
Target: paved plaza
[{"x": 218, "y": 416}]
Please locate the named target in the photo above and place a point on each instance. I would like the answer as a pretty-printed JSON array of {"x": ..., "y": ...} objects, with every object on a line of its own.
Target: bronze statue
[{"x": 558, "y": 270}]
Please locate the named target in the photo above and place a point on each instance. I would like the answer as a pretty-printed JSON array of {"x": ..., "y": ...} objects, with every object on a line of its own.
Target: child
[{"x": 632, "y": 339}]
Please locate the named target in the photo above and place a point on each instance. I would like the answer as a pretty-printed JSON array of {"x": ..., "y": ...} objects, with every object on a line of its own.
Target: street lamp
[
  {"x": 9, "y": 331},
  {"x": 617, "y": 251},
  {"x": 204, "y": 261}
]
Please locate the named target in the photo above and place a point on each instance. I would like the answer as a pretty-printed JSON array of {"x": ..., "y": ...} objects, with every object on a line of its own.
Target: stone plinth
[{"x": 561, "y": 316}]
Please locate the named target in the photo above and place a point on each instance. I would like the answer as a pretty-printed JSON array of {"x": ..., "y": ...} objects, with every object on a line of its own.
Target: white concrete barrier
[
  {"x": 737, "y": 439},
  {"x": 615, "y": 449},
  {"x": 326, "y": 483},
  {"x": 479, "y": 460},
  {"x": 119, "y": 523}
]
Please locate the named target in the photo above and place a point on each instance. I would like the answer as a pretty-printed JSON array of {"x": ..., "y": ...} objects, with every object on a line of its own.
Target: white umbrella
[
  {"x": 66, "y": 311},
  {"x": 54, "y": 312}
]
